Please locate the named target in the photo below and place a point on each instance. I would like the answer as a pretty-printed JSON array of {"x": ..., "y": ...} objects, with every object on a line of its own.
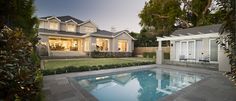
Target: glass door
[
  {"x": 184, "y": 49},
  {"x": 199, "y": 50},
  {"x": 191, "y": 49},
  {"x": 213, "y": 48},
  {"x": 177, "y": 50}
]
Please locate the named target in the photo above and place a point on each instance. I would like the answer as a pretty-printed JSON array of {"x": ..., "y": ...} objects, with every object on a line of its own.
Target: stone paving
[{"x": 215, "y": 87}]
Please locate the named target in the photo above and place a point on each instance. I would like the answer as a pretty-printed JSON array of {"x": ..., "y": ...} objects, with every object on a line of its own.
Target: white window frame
[
  {"x": 108, "y": 43},
  {"x": 58, "y": 25},
  {"x": 126, "y": 46},
  {"x": 67, "y": 27}
]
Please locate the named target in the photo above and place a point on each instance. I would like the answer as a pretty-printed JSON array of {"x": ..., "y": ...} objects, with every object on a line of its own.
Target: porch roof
[{"x": 210, "y": 31}]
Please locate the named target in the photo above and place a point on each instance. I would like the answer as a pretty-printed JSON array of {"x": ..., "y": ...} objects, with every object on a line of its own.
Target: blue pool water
[{"x": 146, "y": 85}]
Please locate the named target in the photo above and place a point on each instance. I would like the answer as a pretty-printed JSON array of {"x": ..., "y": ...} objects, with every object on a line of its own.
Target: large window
[
  {"x": 61, "y": 44},
  {"x": 54, "y": 25},
  {"x": 123, "y": 45},
  {"x": 86, "y": 44},
  {"x": 71, "y": 27},
  {"x": 102, "y": 44}
]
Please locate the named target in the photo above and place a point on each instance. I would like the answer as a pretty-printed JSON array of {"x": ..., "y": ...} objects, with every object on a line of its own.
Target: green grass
[{"x": 53, "y": 64}]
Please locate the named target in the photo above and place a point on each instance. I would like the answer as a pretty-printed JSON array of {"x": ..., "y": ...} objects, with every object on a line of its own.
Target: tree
[
  {"x": 164, "y": 16},
  {"x": 228, "y": 34},
  {"x": 19, "y": 14},
  {"x": 160, "y": 15}
]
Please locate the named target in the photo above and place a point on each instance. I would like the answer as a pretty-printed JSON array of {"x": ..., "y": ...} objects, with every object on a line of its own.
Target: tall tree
[
  {"x": 19, "y": 14},
  {"x": 167, "y": 15},
  {"x": 160, "y": 15}
]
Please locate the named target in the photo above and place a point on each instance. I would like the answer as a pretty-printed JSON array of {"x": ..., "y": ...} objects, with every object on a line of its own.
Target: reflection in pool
[{"x": 147, "y": 85}]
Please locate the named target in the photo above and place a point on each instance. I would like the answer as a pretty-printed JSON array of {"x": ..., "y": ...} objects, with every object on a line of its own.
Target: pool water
[{"x": 146, "y": 85}]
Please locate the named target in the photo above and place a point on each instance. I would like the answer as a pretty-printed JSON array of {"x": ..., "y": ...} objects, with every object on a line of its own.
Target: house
[
  {"x": 198, "y": 44},
  {"x": 69, "y": 36}
]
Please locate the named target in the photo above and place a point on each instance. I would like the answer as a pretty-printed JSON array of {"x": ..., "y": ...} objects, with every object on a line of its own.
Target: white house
[
  {"x": 68, "y": 36},
  {"x": 195, "y": 44}
]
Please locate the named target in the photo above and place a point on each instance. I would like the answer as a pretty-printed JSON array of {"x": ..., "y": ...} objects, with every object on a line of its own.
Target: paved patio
[{"x": 215, "y": 87}]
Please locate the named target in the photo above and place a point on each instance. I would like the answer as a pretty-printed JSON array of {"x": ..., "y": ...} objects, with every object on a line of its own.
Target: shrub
[
  {"x": 20, "y": 74},
  {"x": 149, "y": 54},
  {"x": 89, "y": 68},
  {"x": 97, "y": 54},
  {"x": 166, "y": 55}
]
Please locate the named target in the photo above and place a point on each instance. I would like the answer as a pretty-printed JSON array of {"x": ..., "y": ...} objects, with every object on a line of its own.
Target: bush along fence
[
  {"x": 69, "y": 69},
  {"x": 97, "y": 54},
  {"x": 153, "y": 55},
  {"x": 149, "y": 54}
]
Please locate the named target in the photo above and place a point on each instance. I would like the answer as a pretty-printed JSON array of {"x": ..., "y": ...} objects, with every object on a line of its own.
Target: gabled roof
[
  {"x": 88, "y": 22},
  {"x": 64, "y": 18},
  {"x": 104, "y": 32},
  {"x": 198, "y": 30},
  {"x": 111, "y": 34}
]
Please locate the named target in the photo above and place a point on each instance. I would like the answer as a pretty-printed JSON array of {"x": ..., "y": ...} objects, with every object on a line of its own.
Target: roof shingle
[
  {"x": 65, "y": 18},
  {"x": 198, "y": 30}
]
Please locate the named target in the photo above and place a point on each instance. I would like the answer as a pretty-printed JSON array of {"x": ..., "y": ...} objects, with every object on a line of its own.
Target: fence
[{"x": 138, "y": 51}]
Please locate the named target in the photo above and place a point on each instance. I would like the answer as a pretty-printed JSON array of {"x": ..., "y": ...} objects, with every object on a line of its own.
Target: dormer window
[
  {"x": 89, "y": 30},
  {"x": 54, "y": 25},
  {"x": 71, "y": 27}
]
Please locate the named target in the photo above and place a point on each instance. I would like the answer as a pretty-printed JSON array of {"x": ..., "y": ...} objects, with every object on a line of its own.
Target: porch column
[
  {"x": 159, "y": 55},
  {"x": 223, "y": 60}
]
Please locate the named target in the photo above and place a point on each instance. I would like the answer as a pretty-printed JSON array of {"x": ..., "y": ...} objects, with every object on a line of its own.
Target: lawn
[{"x": 53, "y": 64}]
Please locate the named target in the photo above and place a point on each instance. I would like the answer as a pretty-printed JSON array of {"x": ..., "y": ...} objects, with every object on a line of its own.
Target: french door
[{"x": 186, "y": 48}]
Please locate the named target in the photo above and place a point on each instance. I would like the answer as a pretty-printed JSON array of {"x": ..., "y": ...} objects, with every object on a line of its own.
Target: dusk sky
[{"x": 121, "y": 14}]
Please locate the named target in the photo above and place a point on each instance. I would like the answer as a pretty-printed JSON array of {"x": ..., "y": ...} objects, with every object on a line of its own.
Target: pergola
[{"x": 187, "y": 36}]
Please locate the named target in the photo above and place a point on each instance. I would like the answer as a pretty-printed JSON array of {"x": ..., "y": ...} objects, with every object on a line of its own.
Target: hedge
[
  {"x": 97, "y": 54},
  {"x": 149, "y": 54},
  {"x": 69, "y": 69}
]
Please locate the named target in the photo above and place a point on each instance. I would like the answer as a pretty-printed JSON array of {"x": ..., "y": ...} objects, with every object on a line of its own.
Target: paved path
[{"x": 215, "y": 87}]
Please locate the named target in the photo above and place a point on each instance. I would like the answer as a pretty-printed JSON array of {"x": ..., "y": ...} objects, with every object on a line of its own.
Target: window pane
[
  {"x": 57, "y": 44},
  {"x": 53, "y": 25},
  {"x": 71, "y": 27},
  {"x": 102, "y": 44},
  {"x": 184, "y": 49},
  {"x": 122, "y": 45},
  {"x": 190, "y": 49}
]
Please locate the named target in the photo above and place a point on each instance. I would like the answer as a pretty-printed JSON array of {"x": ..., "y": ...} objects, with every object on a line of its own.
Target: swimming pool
[{"x": 145, "y": 85}]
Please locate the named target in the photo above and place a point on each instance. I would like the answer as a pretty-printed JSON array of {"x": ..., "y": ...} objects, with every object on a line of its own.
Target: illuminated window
[
  {"x": 61, "y": 44},
  {"x": 41, "y": 24},
  {"x": 54, "y": 25},
  {"x": 86, "y": 45},
  {"x": 71, "y": 27},
  {"x": 122, "y": 45},
  {"x": 102, "y": 44}
]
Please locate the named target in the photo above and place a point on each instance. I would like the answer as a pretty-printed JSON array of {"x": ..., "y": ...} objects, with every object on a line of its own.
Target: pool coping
[{"x": 82, "y": 95}]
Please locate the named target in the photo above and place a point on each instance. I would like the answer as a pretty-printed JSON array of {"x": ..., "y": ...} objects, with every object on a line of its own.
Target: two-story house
[{"x": 68, "y": 36}]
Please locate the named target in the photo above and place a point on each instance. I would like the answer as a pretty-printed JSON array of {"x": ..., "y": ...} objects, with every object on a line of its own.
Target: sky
[{"x": 120, "y": 14}]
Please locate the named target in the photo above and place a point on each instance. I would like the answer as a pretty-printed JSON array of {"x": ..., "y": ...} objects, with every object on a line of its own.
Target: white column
[
  {"x": 223, "y": 61},
  {"x": 159, "y": 55}
]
